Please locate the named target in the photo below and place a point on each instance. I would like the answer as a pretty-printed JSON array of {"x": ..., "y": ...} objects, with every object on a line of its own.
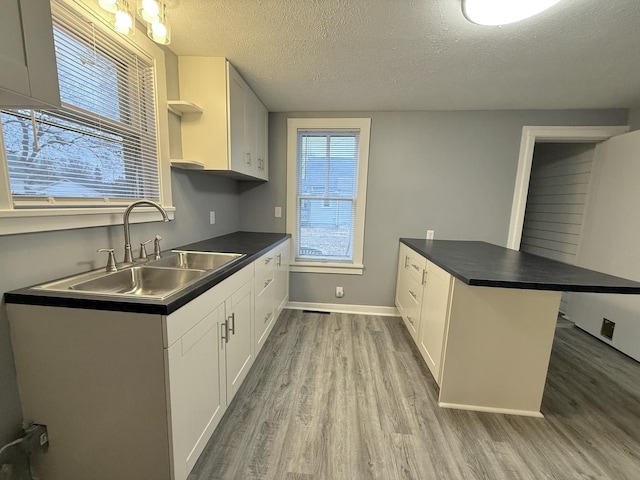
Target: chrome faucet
[{"x": 128, "y": 256}]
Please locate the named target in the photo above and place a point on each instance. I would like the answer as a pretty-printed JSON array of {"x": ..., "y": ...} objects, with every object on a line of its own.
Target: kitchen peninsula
[{"x": 484, "y": 317}]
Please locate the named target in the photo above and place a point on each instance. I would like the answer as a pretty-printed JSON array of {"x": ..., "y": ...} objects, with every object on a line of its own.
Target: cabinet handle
[
  {"x": 266, "y": 319},
  {"x": 410, "y": 321},
  {"x": 406, "y": 261},
  {"x": 416, "y": 267},
  {"x": 279, "y": 259},
  {"x": 266, "y": 284},
  {"x": 413, "y": 295},
  {"x": 225, "y": 332},
  {"x": 232, "y": 326},
  {"x": 267, "y": 260},
  {"x": 248, "y": 159},
  {"x": 424, "y": 277}
]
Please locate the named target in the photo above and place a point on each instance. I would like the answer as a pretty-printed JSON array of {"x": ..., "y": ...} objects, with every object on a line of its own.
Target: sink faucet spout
[{"x": 128, "y": 256}]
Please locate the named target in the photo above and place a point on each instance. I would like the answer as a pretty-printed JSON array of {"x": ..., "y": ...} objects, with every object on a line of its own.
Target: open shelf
[
  {"x": 187, "y": 164},
  {"x": 180, "y": 107}
]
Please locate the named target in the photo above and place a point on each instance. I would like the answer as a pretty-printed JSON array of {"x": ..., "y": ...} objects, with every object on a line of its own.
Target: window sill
[
  {"x": 326, "y": 267},
  {"x": 46, "y": 220}
]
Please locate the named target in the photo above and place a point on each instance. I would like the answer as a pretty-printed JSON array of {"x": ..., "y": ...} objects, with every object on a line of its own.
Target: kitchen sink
[
  {"x": 155, "y": 279},
  {"x": 141, "y": 282},
  {"x": 197, "y": 260},
  {"x": 144, "y": 282}
]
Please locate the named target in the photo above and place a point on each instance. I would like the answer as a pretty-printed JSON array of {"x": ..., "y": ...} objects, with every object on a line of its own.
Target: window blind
[
  {"x": 101, "y": 145},
  {"x": 326, "y": 194}
]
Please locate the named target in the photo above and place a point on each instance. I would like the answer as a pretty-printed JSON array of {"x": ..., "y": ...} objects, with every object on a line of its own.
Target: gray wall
[
  {"x": 634, "y": 119},
  {"x": 453, "y": 172}
]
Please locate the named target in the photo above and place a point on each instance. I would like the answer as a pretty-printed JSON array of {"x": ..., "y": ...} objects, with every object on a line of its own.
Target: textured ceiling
[{"x": 338, "y": 55}]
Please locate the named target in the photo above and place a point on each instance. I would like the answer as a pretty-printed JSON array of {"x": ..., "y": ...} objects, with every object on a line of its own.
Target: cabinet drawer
[
  {"x": 410, "y": 297},
  {"x": 413, "y": 263},
  {"x": 265, "y": 263},
  {"x": 264, "y": 280}
]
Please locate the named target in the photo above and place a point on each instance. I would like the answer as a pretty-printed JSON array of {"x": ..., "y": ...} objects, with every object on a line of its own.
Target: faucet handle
[
  {"x": 111, "y": 261},
  {"x": 156, "y": 247},
  {"x": 143, "y": 250}
]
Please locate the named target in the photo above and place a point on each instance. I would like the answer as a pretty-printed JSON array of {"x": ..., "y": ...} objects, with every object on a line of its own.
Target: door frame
[{"x": 546, "y": 134}]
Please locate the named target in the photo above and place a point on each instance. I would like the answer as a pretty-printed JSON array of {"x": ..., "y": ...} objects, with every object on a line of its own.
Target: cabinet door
[
  {"x": 239, "y": 357},
  {"x": 28, "y": 74},
  {"x": 434, "y": 318},
  {"x": 197, "y": 390},
  {"x": 251, "y": 109},
  {"x": 14, "y": 73},
  {"x": 262, "y": 139},
  {"x": 238, "y": 158}
]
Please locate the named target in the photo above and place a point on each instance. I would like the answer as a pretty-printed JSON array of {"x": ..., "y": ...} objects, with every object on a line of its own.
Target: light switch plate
[
  {"x": 278, "y": 212},
  {"x": 212, "y": 217}
]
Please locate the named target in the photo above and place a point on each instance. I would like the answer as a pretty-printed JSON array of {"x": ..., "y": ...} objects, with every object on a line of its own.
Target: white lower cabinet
[
  {"x": 423, "y": 294},
  {"x": 197, "y": 388},
  {"x": 136, "y": 396},
  {"x": 271, "y": 291},
  {"x": 239, "y": 350}
]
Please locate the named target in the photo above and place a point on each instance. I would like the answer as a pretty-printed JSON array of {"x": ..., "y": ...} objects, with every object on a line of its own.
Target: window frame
[
  {"x": 74, "y": 214},
  {"x": 356, "y": 267}
]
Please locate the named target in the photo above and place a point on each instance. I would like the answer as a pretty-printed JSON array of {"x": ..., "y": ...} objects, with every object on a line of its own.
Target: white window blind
[
  {"x": 326, "y": 194},
  {"x": 101, "y": 147}
]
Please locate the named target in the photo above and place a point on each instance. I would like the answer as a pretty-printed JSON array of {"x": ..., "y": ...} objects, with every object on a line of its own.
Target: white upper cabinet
[
  {"x": 28, "y": 75},
  {"x": 229, "y": 136}
]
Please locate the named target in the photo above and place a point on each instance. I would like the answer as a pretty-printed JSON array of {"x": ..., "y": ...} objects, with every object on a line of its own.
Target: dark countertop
[
  {"x": 253, "y": 244},
  {"x": 487, "y": 265}
]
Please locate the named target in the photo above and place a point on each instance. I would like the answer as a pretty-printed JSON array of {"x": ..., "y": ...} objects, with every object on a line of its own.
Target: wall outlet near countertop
[
  {"x": 430, "y": 234},
  {"x": 339, "y": 292},
  {"x": 212, "y": 217},
  {"x": 278, "y": 212}
]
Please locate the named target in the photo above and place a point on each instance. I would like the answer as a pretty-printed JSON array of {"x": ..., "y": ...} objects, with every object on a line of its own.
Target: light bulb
[
  {"x": 502, "y": 12},
  {"x": 149, "y": 10},
  {"x": 123, "y": 22},
  {"x": 108, "y": 5},
  {"x": 159, "y": 30}
]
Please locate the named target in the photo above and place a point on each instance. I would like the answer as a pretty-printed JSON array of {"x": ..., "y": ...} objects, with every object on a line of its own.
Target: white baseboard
[
  {"x": 506, "y": 411},
  {"x": 342, "y": 308}
]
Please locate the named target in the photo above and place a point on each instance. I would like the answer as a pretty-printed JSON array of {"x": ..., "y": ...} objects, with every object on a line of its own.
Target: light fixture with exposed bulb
[
  {"x": 149, "y": 10},
  {"x": 502, "y": 12},
  {"x": 108, "y": 5}
]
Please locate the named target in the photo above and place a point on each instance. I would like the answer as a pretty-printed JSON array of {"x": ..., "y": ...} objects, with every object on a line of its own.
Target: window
[
  {"x": 327, "y": 162},
  {"x": 101, "y": 149}
]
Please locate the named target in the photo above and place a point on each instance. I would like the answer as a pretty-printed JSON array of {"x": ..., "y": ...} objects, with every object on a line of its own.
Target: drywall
[
  {"x": 453, "y": 172},
  {"x": 634, "y": 119},
  {"x": 610, "y": 241}
]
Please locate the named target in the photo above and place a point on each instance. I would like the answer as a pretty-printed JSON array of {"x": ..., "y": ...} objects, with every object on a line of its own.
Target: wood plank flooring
[{"x": 347, "y": 397}]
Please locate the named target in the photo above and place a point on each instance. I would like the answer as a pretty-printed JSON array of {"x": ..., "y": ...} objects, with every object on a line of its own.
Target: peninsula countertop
[{"x": 486, "y": 265}]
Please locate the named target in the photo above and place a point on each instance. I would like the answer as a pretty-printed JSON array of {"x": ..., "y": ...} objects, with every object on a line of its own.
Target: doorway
[{"x": 531, "y": 135}]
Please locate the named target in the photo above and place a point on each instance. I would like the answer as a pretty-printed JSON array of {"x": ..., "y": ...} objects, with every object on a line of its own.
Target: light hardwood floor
[{"x": 347, "y": 397}]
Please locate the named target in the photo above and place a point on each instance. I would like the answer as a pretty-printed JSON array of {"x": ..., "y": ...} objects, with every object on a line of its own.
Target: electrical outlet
[
  {"x": 212, "y": 217},
  {"x": 339, "y": 292},
  {"x": 430, "y": 234},
  {"x": 278, "y": 212}
]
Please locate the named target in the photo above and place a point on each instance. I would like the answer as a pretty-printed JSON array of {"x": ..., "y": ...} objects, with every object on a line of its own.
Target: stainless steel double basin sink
[{"x": 155, "y": 279}]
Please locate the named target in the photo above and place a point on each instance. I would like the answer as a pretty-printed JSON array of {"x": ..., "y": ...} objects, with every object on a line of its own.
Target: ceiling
[{"x": 379, "y": 55}]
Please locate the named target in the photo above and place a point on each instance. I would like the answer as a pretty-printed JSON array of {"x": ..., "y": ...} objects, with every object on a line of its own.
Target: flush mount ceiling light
[{"x": 501, "y": 12}]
